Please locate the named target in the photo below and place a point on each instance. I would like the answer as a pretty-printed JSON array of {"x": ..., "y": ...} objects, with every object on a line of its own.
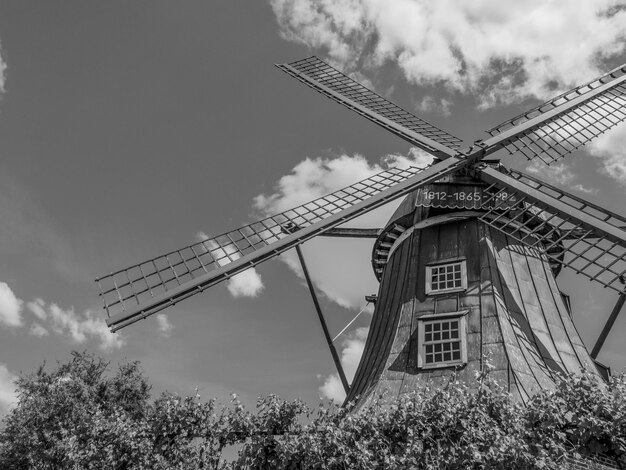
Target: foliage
[{"x": 78, "y": 417}]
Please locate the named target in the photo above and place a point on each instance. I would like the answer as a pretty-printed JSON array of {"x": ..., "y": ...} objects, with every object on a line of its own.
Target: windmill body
[
  {"x": 467, "y": 264},
  {"x": 456, "y": 294}
]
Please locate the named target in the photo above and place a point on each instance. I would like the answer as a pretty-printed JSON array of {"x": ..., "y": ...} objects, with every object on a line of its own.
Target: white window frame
[
  {"x": 421, "y": 343},
  {"x": 429, "y": 277}
]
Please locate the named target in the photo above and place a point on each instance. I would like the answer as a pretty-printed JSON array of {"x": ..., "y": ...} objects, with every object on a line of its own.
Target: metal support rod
[
  {"x": 331, "y": 346},
  {"x": 608, "y": 325}
]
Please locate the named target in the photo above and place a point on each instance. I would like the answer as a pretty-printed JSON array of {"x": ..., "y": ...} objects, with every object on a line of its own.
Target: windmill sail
[
  {"x": 331, "y": 82},
  {"x": 571, "y": 231},
  {"x": 145, "y": 288},
  {"x": 569, "y": 121}
]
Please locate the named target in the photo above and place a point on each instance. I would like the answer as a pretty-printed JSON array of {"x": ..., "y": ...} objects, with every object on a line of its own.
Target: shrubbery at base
[{"x": 77, "y": 416}]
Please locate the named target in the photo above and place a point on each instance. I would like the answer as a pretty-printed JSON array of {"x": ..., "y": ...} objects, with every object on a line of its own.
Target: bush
[{"x": 78, "y": 417}]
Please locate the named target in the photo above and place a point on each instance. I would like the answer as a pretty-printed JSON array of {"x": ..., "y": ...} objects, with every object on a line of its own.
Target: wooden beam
[
  {"x": 320, "y": 315},
  {"x": 609, "y": 324},
  {"x": 349, "y": 232}
]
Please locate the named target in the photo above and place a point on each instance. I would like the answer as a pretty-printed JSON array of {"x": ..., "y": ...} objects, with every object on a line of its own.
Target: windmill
[{"x": 468, "y": 262}]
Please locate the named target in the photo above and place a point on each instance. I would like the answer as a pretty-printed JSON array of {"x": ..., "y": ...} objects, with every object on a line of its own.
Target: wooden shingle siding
[{"x": 520, "y": 339}]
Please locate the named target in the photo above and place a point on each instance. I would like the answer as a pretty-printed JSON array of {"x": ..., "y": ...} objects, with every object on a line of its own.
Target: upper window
[{"x": 449, "y": 277}]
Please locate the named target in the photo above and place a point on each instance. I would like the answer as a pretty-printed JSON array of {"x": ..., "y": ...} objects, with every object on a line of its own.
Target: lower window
[{"x": 442, "y": 340}]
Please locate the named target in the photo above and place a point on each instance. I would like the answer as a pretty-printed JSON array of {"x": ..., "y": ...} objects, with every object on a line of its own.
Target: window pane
[
  {"x": 446, "y": 277},
  {"x": 441, "y": 341}
]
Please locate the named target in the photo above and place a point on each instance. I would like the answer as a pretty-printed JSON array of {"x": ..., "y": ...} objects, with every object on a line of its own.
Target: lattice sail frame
[
  {"x": 598, "y": 106},
  {"x": 579, "y": 235},
  {"x": 329, "y": 81},
  {"x": 147, "y": 287}
]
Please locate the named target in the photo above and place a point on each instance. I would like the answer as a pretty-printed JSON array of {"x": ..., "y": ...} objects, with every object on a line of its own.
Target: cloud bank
[
  {"x": 79, "y": 327},
  {"x": 498, "y": 50},
  {"x": 10, "y": 307}
]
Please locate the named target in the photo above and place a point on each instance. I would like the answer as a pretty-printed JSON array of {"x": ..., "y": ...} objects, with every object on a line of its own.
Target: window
[
  {"x": 442, "y": 340},
  {"x": 448, "y": 277}
]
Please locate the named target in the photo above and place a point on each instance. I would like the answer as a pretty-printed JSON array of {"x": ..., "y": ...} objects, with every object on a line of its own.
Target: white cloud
[
  {"x": 610, "y": 148},
  {"x": 430, "y": 103},
  {"x": 333, "y": 389},
  {"x": 81, "y": 327},
  {"x": 3, "y": 71},
  {"x": 165, "y": 327},
  {"x": 498, "y": 50},
  {"x": 37, "y": 308},
  {"x": 8, "y": 396},
  {"x": 558, "y": 173},
  {"x": 245, "y": 284},
  {"x": 10, "y": 307},
  {"x": 37, "y": 330},
  {"x": 340, "y": 268},
  {"x": 352, "y": 350}
]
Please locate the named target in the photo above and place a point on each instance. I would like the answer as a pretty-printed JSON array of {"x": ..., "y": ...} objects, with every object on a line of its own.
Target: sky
[{"x": 130, "y": 129}]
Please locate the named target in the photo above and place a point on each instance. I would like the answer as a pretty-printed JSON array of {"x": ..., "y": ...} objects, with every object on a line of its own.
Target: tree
[{"x": 80, "y": 416}]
